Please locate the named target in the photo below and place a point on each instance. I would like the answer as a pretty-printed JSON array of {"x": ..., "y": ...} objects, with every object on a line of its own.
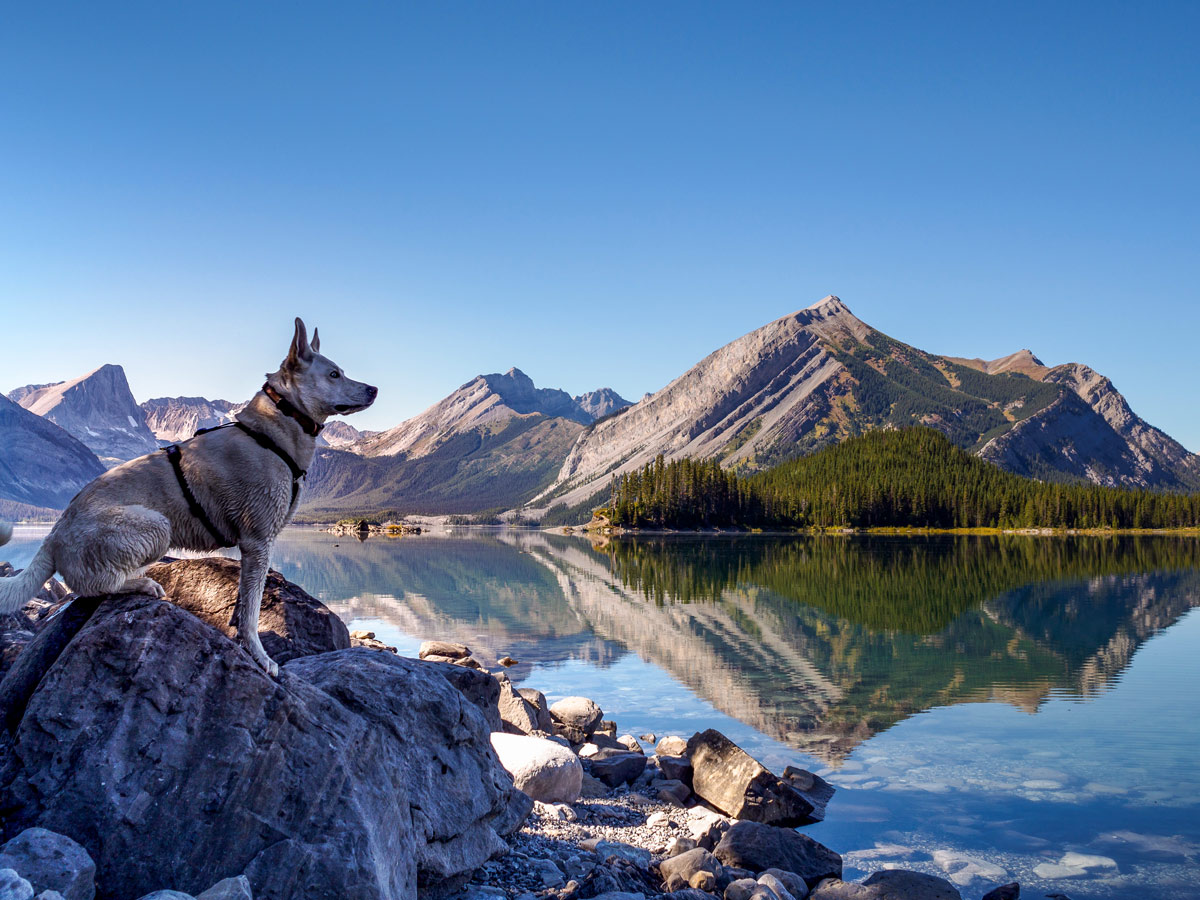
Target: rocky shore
[{"x": 143, "y": 755}]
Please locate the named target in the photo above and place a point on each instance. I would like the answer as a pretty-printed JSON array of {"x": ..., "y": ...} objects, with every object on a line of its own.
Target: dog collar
[{"x": 289, "y": 409}]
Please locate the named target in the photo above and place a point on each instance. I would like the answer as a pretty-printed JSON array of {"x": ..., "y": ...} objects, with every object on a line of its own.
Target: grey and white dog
[{"x": 243, "y": 483}]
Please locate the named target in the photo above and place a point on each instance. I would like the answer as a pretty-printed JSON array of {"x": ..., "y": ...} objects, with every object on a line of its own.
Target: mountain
[
  {"x": 492, "y": 444},
  {"x": 483, "y": 402},
  {"x": 97, "y": 408},
  {"x": 40, "y": 464},
  {"x": 601, "y": 403},
  {"x": 821, "y": 375},
  {"x": 178, "y": 418},
  {"x": 339, "y": 434}
]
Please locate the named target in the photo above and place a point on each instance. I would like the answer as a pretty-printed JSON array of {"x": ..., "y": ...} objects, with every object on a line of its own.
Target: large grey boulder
[
  {"x": 292, "y": 623},
  {"x": 758, "y": 847},
  {"x": 51, "y": 862},
  {"x": 687, "y": 864},
  {"x": 734, "y": 782},
  {"x": 575, "y": 718},
  {"x": 889, "y": 884},
  {"x": 541, "y": 707},
  {"x": 172, "y": 758},
  {"x": 616, "y": 767},
  {"x": 481, "y": 688},
  {"x": 545, "y": 770}
]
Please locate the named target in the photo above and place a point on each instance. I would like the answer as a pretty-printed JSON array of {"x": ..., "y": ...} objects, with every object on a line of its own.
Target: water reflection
[{"x": 818, "y": 642}]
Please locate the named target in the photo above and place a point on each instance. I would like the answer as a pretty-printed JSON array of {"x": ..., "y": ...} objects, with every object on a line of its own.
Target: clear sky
[{"x": 597, "y": 193}]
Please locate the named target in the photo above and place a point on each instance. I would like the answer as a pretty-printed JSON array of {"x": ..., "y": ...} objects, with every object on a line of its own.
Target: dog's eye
[{"x": 335, "y": 374}]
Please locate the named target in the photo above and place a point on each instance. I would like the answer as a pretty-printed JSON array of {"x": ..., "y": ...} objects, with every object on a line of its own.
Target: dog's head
[{"x": 316, "y": 383}]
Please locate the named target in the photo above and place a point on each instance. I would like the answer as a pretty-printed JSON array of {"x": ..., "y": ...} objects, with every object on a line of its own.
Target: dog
[{"x": 233, "y": 485}]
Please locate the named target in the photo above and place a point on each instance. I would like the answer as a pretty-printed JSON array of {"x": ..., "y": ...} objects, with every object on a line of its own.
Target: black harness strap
[
  {"x": 175, "y": 456},
  {"x": 267, "y": 444}
]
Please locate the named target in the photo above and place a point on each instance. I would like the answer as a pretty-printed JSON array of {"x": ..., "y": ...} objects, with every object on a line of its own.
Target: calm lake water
[{"x": 991, "y": 709}]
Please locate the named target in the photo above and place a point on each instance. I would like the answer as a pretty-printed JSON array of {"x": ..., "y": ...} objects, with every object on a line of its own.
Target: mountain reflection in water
[{"x": 817, "y": 642}]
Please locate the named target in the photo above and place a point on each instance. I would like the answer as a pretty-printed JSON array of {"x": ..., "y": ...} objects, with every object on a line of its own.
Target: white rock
[
  {"x": 545, "y": 770},
  {"x": 229, "y": 889},
  {"x": 14, "y": 887}
]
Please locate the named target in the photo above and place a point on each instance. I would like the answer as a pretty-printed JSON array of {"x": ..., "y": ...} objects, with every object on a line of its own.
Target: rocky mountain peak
[{"x": 98, "y": 409}]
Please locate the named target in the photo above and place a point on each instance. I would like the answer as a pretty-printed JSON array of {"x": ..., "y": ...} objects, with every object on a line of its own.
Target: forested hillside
[{"x": 911, "y": 477}]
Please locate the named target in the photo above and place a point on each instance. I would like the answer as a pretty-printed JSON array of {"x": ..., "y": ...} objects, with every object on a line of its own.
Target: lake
[{"x": 990, "y": 708}]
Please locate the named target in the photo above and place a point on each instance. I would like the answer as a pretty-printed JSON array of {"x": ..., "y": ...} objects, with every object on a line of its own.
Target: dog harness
[{"x": 175, "y": 455}]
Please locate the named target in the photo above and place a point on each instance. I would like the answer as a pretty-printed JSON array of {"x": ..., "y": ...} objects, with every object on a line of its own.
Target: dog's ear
[
  {"x": 300, "y": 351},
  {"x": 316, "y": 341}
]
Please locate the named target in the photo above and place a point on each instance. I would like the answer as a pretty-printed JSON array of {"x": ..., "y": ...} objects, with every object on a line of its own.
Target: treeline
[{"x": 910, "y": 477}]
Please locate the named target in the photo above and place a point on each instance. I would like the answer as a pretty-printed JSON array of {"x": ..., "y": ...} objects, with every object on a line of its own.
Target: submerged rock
[
  {"x": 889, "y": 884},
  {"x": 171, "y": 757}
]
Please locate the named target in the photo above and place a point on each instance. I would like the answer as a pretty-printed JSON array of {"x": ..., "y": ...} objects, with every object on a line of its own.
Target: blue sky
[{"x": 596, "y": 193}]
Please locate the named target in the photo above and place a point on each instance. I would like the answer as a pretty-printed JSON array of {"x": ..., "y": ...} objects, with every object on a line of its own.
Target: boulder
[
  {"x": 734, "y": 782},
  {"x": 538, "y": 700},
  {"x": 14, "y": 887},
  {"x": 291, "y": 624},
  {"x": 889, "y": 884},
  {"x": 671, "y": 746},
  {"x": 706, "y": 827},
  {"x": 443, "y": 648},
  {"x": 628, "y": 740},
  {"x": 51, "y": 862},
  {"x": 758, "y": 847},
  {"x": 229, "y": 889},
  {"x": 616, "y": 767},
  {"x": 546, "y": 771},
  {"x": 163, "y": 749},
  {"x": 674, "y": 792},
  {"x": 575, "y": 718},
  {"x": 779, "y": 889},
  {"x": 517, "y": 714},
  {"x": 1010, "y": 891},
  {"x": 687, "y": 864},
  {"x": 794, "y": 884},
  {"x": 676, "y": 768},
  {"x": 480, "y": 688}
]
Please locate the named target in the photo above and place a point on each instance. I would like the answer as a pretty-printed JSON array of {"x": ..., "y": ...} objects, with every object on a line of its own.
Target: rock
[
  {"x": 674, "y": 792},
  {"x": 49, "y": 895},
  {"x": 889, "y": 884},
  {"x": 706, "y": 826},
  {"x": 671, "y": 746},
  {"x": 478, "y": 687},
  {"x": 687, "y": 864},
  {"x": 229, "y": 889},
  {"x": 291, "y": 624},
  {"x": 14, "y": 887},
  {"x": 1010, "y": 891},
  {"x": 356, "y": 640},
  {"x": 443, "y": 648},
  {"x": 615, "y": 768},
  {"x": 507, "y": 661},
  {"x": 740, "y": 889},
  {"x": 778, "y": 888},
  {"x": 600, "y": 742},
  {"x": 677, "y": 768},
  {"x": 607, "y": 727},
  {"x": 703, "y": 881},
  {"x": 592, "y": 788},
  {"x": 737, "y": 784},
  {"x": 628, "y": 740},
  {"x": 636, "y": 855},
  {"x": 794, "y": 884},
  {"x": 167, "y": 895},
  {"x": 758, "y": 847},
  {"x": 549, "y": 873},
  {"x": 538, "y": 700},
  {"x": 575, "y": 718},
  {"x": 376, "y": 777},
  {"x": 680, "y": 845},
  {"x": 964, "y": 869},
  {"x": 51, "y": 862},
  {"x": 517, "y": 714},
  {"x": 544, "y": 770}
]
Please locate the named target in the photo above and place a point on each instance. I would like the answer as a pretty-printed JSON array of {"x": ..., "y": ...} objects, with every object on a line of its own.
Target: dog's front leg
[{"x": 255, "y": 560}]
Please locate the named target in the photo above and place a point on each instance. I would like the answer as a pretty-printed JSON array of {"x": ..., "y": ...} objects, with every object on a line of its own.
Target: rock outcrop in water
[{"x": 156, "y": 743}]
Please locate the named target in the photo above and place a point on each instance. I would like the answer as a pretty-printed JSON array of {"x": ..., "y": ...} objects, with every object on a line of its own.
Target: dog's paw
[{"x": 143, "y": 586}]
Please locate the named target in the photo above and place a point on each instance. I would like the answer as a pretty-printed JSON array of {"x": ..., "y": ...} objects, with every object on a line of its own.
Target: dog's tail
[{"x": 19, "y": 589}]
